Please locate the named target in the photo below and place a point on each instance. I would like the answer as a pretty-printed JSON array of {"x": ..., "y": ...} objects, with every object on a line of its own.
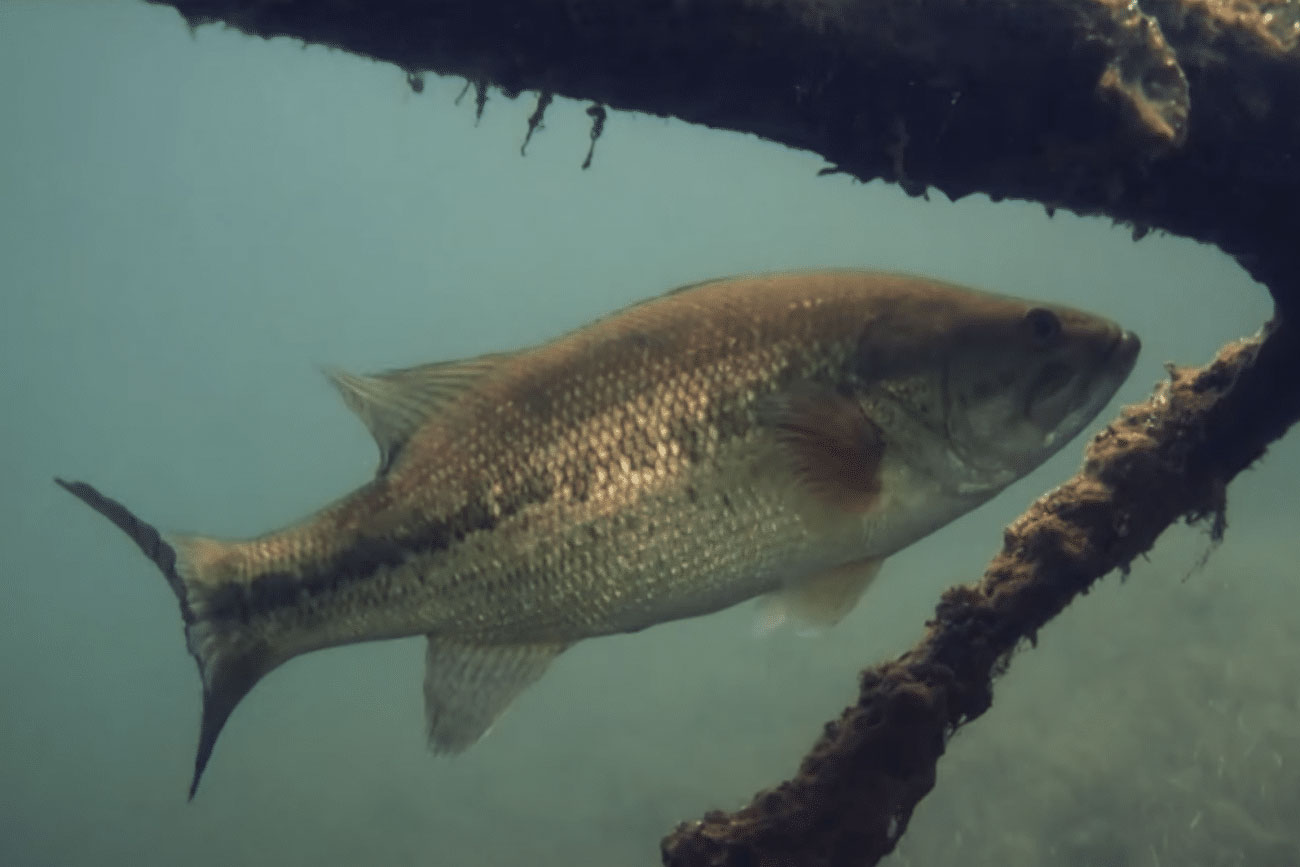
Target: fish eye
[{"x": 1044, "y": 325}]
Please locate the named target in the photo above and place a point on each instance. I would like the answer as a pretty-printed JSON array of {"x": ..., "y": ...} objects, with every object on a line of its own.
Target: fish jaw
[{"x": 1037, "y": 422}]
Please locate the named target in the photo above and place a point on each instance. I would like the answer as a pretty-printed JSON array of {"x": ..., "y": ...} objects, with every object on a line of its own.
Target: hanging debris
[
  {"x": 535, "y": 119},
  {"x": 597, "y": 115},
  {"x": 480, "y": 100}
]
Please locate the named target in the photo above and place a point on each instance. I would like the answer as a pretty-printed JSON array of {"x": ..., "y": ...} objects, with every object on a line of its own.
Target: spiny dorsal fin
[
  {"x": 394, "y": 403},
  {"x": 834, "y": 449},
  {"x": 467, "y": 686},
  {"x": 818, "y": 601}
]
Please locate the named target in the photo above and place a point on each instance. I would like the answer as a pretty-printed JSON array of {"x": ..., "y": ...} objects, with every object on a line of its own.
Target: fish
[{"x": 772, "y": 435}]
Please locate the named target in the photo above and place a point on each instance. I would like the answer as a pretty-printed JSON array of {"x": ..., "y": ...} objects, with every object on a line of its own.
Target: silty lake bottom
[{"x": 190, "y": 224}]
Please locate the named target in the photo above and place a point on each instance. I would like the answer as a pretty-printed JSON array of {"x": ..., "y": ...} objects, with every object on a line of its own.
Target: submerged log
[{"x": 1176, "y": 115}]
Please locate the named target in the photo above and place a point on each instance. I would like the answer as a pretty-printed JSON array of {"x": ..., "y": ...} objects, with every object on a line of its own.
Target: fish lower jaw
[
  {"x": 945, "y": 473},
  {"x": 982, "y": 487}
]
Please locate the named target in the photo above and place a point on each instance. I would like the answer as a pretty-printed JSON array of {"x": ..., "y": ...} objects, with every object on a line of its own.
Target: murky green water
[{"x": 188, "y": 225}]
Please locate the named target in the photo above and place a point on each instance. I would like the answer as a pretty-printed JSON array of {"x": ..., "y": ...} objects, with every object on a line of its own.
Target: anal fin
[
  {"x": 818, "y": 601},
  {"x": 467, "y": 686}
]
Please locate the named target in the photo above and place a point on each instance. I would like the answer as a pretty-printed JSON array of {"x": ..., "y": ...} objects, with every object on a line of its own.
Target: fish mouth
[
  {"x": 1101, "y": 373},
  {"x": 1123, "y": 352},
  {"x": 1115, "y": 365},
  {"x": 1096, "y": 391},
  {"x": 1091, "y": 389}
]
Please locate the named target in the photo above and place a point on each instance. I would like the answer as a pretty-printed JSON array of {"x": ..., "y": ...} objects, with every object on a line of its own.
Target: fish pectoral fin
[
  {"x": 835, "y": 451},
  {"x": 394, "y": 403},
  {"x": 467, "y": 686},
  {"x": 819, "y": 601}
]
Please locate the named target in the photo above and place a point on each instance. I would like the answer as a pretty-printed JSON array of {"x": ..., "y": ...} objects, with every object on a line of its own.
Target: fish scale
[{"x": 774, "y": 436}]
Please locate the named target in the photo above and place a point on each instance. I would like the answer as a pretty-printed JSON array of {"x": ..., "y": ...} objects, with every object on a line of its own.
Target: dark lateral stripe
[
  {"x": 285, "y": 589},
  {"x": 276, "y": 590},
  {"x": 144, "y": 535}
]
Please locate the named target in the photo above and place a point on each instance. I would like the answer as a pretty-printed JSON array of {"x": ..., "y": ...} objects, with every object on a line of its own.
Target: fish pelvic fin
[
  {"x": 818, "y": 602},
  {"x": 468, "y": 686},
  {"x": 230, "y": 661}
]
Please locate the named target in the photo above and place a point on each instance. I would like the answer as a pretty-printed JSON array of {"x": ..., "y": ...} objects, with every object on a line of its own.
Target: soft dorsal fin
[
  {"x": 394, "y": 403},
  {"x": 818, "y": 601},
  {"x": 467, "y": 686}
]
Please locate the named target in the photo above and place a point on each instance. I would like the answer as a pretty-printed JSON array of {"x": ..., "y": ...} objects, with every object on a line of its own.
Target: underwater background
[{"x": 191, "y": 223}]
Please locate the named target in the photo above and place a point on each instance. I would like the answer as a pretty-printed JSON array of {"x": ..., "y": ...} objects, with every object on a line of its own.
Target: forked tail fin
[{"x": 230, "y": 660}]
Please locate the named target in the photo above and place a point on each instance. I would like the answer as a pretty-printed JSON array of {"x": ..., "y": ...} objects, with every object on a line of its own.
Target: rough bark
[{"x": 1178, "y": 115}]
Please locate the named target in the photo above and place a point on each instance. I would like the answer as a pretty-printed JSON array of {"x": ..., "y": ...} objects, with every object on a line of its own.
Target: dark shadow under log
[{"x": 1178, "y": 115}]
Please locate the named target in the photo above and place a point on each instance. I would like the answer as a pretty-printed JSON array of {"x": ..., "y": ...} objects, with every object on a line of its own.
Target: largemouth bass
[{"x": 773, "y": 435}]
